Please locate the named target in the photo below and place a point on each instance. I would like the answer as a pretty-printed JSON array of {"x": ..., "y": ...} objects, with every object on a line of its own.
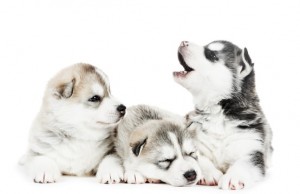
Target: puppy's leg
[
  {"x": 110, "y": 170},
  {"x": 132, "y": 176},
  {"x": 43, "y": 169},
  {"x": 244, "y": 172},
  {"x": 210, "y": 174}
]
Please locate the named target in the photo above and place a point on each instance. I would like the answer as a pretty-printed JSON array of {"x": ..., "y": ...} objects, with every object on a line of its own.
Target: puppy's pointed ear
[
  {"x": 245, "y": 63},
  {"x": 138, "y": 140},
  {"x": 65, "y": 90},
  {"x": 137, "y": 147}
]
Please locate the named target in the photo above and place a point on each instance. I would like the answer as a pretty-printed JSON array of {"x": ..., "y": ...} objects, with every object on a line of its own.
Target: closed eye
[
  {"x": 210, "y": 55},
  {"x": 166, "y": 163},
  {"x": 193, "y": 155}
]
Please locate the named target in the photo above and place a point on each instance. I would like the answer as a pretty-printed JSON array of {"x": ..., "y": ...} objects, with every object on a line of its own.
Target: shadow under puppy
[
  {"x": 232, "y": 131},
  {"x": 155, "y": 146},
  {"x": 72, "y": 133}
]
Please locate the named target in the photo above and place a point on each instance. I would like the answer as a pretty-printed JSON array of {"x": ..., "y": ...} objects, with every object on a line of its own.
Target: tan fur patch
[{"x": 82, "y": 76}]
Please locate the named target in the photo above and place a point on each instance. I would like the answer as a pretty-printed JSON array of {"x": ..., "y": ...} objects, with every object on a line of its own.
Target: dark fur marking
[
  {"x": 210, "y": 55},
  {"x": 258, "y": 126},
  {"x": 111, "y": 151},
  {"x": 173, "y": 128},
  {"x": 257, "y": 159},
  {"x": 89, "y": 69},
  {"x": 247, "y": 57}
]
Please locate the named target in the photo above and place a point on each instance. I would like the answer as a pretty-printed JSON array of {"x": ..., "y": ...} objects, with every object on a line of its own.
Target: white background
[{"x": 135, "y": 42}]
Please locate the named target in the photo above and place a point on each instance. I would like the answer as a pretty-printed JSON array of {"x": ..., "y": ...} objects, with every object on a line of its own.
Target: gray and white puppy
[
  {"x": 154, "y": 145},
  {"x": 73, "y": 132},
  {"x": 232, "y": 130}
]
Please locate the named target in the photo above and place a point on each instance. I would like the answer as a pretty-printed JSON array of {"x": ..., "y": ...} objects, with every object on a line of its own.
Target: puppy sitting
[
  {"x": 232, "y": 130},
  {"x": 72, "y": 133},
  {"x": 155, "y": 146}
]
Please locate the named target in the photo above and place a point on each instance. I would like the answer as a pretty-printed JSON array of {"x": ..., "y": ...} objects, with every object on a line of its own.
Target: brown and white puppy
[
  {"x": 154, "y": 145},
  {"x": 72, "y": 133}
]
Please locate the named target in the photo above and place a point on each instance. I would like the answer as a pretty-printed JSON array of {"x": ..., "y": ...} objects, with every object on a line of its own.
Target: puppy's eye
[
  {"x": 193, "y": 155},
  {"x": 210, "y": 55},
  {"x": 165, "y": 164},
  {"x": 95, "y": 98}
]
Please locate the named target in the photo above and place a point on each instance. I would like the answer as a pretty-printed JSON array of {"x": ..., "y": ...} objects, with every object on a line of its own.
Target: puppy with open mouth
[
  {"x": 72, "y": 134},
  {"x": 232, "y": 131},
  {"x": 155, "y": 146}
]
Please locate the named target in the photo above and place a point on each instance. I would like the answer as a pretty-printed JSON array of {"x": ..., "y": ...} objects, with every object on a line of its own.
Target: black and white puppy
[
  {"x": 232, "y": 131},
  {"x": 73, "y": 132}
]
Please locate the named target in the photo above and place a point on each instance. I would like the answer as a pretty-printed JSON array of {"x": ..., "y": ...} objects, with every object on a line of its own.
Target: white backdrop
[{"x": 135, "y": 42}]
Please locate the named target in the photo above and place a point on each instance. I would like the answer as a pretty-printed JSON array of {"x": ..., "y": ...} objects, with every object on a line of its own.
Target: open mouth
[{"x": 187, "y": 69}]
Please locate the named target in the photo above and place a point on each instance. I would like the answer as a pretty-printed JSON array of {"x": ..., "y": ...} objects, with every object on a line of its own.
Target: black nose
[
  {"x": 190, "y": 175},
  {"x": 122, "y": 109},
  {"x": 184, "y": 43}
]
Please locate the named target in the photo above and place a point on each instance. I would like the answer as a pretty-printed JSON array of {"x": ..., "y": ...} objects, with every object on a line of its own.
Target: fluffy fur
[
  {"x": 72, "y": 133},
  {"x": 232, "y": 131},
  {"x": 154, "y": 146}
]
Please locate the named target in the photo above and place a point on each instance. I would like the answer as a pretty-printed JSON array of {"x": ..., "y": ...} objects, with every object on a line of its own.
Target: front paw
[
  {"x": 210, "y": 177},
  {"x": 234, "y": 181},
  {"x": 44, "y": 170},
  {"x": 133, "y": 177},
  {"x": 109, "y": 173}
]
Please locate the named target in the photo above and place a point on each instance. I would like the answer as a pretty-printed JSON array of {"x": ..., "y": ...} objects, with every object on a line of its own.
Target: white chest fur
[
  {"x": 221, "y": 140},
  {"x": 77, "y": 157}
]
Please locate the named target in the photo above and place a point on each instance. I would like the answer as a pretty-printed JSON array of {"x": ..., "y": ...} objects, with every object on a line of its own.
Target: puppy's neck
[
  {"x": 213, "y": 109},
  {"x": 207, "y": 104}
]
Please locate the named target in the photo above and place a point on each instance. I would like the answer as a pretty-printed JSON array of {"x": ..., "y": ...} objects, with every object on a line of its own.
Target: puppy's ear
[
  {"x": 138, "y": 146},
  {"x": 138, "y": 140},
  {"x": 245, "y": 63},
  {"x": 65, "y": 90}
]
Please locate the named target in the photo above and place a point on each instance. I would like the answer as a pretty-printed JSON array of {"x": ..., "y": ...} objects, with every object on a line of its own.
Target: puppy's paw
[
  {"x": 44, "y": 170},
  {"x": 110, "y": 175},
  {"x": 133, "y": 177},
  {"x": 210, "y": 177},
  {"x": 110, "y": 171},
  {"x": 234, "y": 181}
]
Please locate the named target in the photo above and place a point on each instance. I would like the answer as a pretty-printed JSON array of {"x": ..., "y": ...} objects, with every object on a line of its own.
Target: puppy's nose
[
  {"x": 190, "y": 175},
  {"x": 184, "y": 43},
  {"x": 122, "y": 109}
]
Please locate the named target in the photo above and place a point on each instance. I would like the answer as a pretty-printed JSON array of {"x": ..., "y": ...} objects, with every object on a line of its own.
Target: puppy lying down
[{"x": 154, "y": 145}]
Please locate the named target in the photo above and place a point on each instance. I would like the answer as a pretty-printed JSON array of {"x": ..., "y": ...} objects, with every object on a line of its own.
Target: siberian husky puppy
[
  {"x": 232, "y": 131},
  {"x": 72, "y": 134},
  {"x": 154, "y": 145}
]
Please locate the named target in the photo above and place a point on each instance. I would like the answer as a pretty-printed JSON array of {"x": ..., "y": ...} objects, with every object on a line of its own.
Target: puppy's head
[
  {"x": 216, "y": 70},
  {"x": 165, "y": 151},
  {"x": 80, "y": 94}
]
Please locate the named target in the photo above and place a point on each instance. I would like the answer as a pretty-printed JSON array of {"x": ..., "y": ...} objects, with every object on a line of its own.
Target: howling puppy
[
  {"x": 233, "y": 133},
  {"x": 72, "y": 134}
]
